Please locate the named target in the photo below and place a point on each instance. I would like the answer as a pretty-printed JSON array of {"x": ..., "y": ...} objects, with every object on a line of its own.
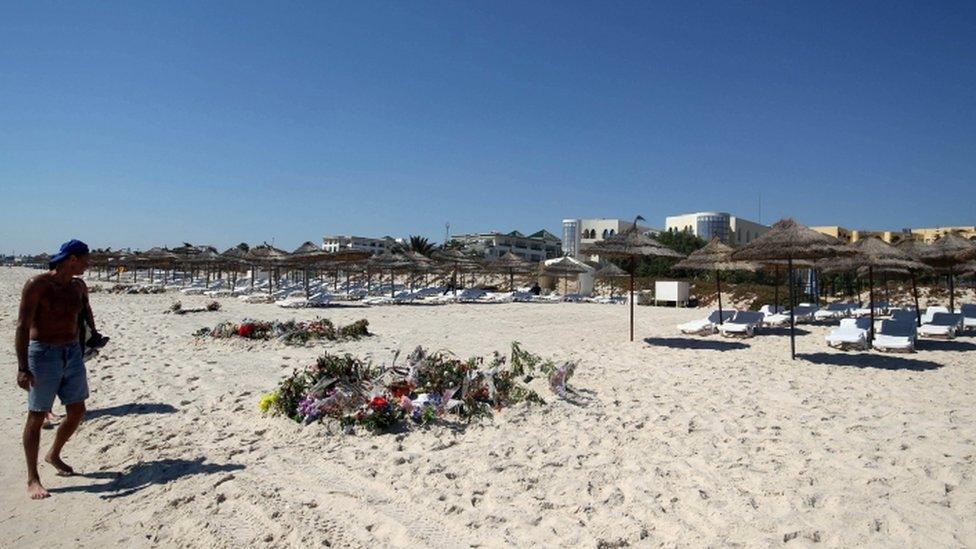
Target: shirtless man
[{"x": 49, "y": 357}]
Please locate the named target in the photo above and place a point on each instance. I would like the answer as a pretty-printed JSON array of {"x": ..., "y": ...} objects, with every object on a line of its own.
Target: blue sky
[{"x": 138, "y": 124}]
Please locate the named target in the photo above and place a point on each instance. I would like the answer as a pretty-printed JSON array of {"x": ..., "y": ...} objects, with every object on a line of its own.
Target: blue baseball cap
[{"x": 69, "y": 248}]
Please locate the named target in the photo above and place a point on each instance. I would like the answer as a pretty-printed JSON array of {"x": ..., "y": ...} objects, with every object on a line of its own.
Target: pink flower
[{"x": 406, "y": 404}]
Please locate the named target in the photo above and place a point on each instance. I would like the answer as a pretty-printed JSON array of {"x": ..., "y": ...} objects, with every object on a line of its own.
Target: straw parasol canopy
[
  {"x": 268, "y": 255},
  {"x": 391, "y": 261},
  {"x": 715, "y": 256},
  {"x": 307, "y": 247},
  {"x": 947, "y": 253},
  {"x": 791, "y": 241},
  {"x": 874, "y": 254},
  {"x": 611, "y": 272},
  {"x": 456, "y": 259},
  {"x": 564, "y": 268},
  {"x": 631, "y": 244},
  {"x": 511, "y": 263}
]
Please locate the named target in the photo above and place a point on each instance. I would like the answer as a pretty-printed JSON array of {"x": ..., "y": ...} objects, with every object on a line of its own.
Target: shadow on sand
[
  {"x": 694, "y": 344},
  {"x": 944, "y": 345},
  {"x": 869, "y": 360},
  {"x": 134, "y": 408},
  {"x": 145, "y": 474},
  {"x": 781, "y": 331}
]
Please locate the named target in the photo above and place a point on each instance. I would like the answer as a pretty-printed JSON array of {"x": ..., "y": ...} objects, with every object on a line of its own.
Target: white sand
[{"x": 666, "y": 445}]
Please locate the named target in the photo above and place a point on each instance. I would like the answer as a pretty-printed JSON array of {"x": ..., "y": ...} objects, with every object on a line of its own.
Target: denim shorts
[{"x": 57, "y": 370}]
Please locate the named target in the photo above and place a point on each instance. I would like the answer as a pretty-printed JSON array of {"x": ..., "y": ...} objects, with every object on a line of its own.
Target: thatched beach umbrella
[
  {"x": 715, "y": 257},
  {"x": 157, "y": 257},
  {"x": 947, "y": 253},
  {"x": 391, "y": 261},
  {"x": 610, "y": 272},
  {"x": 266, "y": 254},
  {"x": 511, "y": 263},
  {"x": 788, "y": 240},
  {"x": 874, "y": 255},
  {"x": 456, "y": 259},
  {"x": 631, "y": 244},
  {"x": 419, "y": 264},
  {"x": 233, "y": 258},
  {"x": 564, "y": 268}
]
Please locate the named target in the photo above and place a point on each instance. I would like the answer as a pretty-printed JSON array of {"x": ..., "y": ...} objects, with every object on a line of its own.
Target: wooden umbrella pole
[
  {"x": 918, "y": 312},
  {"x": 952, "y": 291},
  {"x": 718, "y": 285},
  {"x": 871, "y": 301},
  {"x": 789, "y": 271},
  {"x": 776, "y": 289},
  {"x": 633, "y": 267}
]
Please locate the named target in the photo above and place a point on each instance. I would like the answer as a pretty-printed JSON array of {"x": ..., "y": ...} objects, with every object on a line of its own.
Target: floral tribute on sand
[
  {"x": 290, "y": 332},
  {"x": 177, "y": 308},
  {"x": 428, "y": 387}
]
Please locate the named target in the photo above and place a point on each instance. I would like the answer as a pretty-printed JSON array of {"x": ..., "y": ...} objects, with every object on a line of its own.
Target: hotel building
[
  {"x": 334, "y": 243},
  {"x": 538, "y": 246},
  {"x": 730, "y": 229},
  {"x": 579, "y": 233}
]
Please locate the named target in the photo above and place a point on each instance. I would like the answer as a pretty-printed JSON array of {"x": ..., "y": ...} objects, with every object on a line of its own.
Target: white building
[
  {"x": 537, "y": 246},
  {"x": 579, "y": 233},
  {"x": 706, "y": 225},
  {"x": 334, "y": 243}
]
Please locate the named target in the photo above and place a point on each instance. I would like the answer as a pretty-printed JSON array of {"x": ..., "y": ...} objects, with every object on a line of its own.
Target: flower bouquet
[
  {"x": 177, "y": 308},
  {"x": 428, "y": 387},
  {"x": 289, "y": 332}
]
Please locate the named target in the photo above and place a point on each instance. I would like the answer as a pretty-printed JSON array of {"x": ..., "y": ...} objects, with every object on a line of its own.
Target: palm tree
[{"x": 421, "y": 245}]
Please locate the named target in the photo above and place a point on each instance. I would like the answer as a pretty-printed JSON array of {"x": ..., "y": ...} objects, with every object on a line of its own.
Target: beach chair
[
  {"x": 895, "y": 335},
  {"x": 853, "y": 332},
  {"x": 743, "y": 323},
  {"x": 942, "y": 325},
  {"x": 706, "y": 326},
  {"x": 833, "y": 311},
  {"x": 968, "y": 316},
  {"x": 774, "y": 316},
  {"x": 903, "y": 315},
  {"x": 803, "y": 313},
  {"x": 930, "y": 312}
]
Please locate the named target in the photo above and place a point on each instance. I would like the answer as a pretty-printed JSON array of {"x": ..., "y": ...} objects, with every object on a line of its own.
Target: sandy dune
[{"x": 671, "y": 441}]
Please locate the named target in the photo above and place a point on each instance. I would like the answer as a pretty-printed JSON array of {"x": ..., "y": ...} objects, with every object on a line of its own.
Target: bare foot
[
  {"x": 51, "y": 420},
  {"x": 64, "y": 470},
  {"x": 36, "y": 491}
]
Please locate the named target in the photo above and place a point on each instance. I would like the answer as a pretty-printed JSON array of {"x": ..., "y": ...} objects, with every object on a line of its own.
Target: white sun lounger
[
  {"x": 930, "y": 312},
  {"x": 705, "y": 326},
  {"x": 880, "y": 309},
  {"x": 853, "y": 332},
  {"x": 804, "y": 313},
  {"x": 941, "y": 325},
  {"x": 968, "y": 316},
  {"x": 895, "y": 336},
  {"x": 774, "y": 316},
  {"x": 744, "y": 323},
  {"x": 833, "y": 311}
]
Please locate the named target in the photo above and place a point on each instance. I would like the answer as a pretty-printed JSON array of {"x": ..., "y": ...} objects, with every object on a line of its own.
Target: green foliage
[
  {"x": 659, "y": 267},
  {"x": 420, "y": 245}
]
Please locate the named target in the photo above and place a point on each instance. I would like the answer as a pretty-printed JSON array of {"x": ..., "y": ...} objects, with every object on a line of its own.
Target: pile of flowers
[
  {"x": 129, "y": 289},
  {"x": 177, "y": 308},
  {"x": 428, "y": 387},
  {"x": 290, "y": 331}
]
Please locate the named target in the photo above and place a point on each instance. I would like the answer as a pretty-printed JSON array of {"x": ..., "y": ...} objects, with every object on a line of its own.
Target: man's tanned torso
[{"x": 58, "y": 307}]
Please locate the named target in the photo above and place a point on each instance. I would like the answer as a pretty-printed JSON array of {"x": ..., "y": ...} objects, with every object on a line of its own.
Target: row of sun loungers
[{"x": 897, "y": 333}]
